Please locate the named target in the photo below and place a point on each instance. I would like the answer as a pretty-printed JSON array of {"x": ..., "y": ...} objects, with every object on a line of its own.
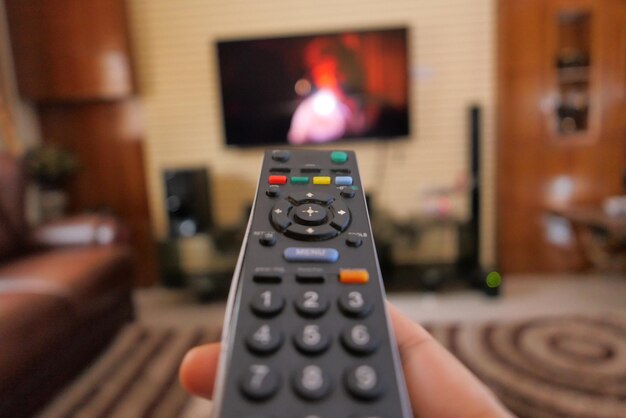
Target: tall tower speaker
[{"x": 187, "y": 201}]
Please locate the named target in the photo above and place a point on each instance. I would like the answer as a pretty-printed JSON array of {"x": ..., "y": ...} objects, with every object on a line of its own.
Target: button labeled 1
[{"x": 267, "y": 303}]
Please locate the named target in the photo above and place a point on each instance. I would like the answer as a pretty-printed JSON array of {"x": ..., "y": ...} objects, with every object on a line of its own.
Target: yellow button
[
  {"x": 321, "y": 180},
  {"x": 355, "y": 276}
]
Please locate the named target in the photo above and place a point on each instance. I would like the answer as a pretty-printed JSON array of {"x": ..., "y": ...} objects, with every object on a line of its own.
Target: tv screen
[{"x": 316, "y": 88}]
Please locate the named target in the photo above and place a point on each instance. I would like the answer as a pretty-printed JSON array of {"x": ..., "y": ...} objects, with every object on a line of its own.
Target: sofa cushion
[
  {"x": 92, "y": 276},
  {"x": 29, "y": 323}
]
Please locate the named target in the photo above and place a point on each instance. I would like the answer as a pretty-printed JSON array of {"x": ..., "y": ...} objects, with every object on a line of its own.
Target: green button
[
  {"x": 338, "y": 157},
  {"x": 300, "y": 180}
]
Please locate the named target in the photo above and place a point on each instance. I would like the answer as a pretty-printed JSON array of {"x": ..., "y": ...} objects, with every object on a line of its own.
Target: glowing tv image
[{"x": 315, "y": 89}]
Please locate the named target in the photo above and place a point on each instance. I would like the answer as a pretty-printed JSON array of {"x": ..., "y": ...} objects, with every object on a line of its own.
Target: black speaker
[{"x": 187, "y": 202}]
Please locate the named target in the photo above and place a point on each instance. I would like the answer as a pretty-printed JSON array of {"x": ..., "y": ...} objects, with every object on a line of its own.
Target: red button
[{"x": 278, "y": 179}]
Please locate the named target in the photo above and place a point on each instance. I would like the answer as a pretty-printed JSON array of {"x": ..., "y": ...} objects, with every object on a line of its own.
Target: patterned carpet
[{"x": 544, "y": 368}]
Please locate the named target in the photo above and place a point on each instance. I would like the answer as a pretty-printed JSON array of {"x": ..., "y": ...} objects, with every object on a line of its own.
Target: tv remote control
[{"x": 306, "y": 333}]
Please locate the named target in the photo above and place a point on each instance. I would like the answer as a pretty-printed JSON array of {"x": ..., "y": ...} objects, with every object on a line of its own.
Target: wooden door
[{"x": 561, "y": 125}]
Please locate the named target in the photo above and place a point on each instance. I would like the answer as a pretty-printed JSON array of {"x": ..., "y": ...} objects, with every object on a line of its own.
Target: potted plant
[{"x": 51, "y": 167}]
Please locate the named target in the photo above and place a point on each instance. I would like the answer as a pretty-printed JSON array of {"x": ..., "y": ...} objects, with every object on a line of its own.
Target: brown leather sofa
[{"x": 65, "y": 290}]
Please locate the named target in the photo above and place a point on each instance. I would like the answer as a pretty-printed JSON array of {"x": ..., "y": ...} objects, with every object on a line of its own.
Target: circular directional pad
[{"x": 310, "y": 214}]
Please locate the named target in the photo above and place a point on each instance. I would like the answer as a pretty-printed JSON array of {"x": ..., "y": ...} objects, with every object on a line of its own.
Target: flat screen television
[{"x": 316, "y": 88}]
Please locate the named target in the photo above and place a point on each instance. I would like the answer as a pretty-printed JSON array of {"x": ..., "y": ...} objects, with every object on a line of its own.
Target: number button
[
  {"x": 355, "y": 304},
  {"x": 260, "y": 382},
  {"x": 311, "y": 383},
  {"x": 311, "y": 340},
  {"x": 362, "y": 382},
  {"x": 264, "y": 340},
  {"x": 359, "y": 340},
  {"x": 267, "y": 303},
  {"x": 310, "y": 303}
]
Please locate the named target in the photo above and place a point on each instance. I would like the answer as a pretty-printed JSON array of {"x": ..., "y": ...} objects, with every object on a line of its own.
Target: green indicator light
[
  {"x": 493, "y": 280},
  {"x": 355, "y": 187}
]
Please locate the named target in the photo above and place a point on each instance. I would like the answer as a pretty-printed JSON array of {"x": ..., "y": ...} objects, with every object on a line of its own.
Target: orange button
[
  {"x": 355, "y": 276},
  {"x": 278, "y": 180}
]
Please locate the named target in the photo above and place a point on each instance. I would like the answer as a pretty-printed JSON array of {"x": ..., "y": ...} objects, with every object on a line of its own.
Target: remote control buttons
[
  {"x": 311, "y": 383},
  {"x": 276, "y": 180},
  {"x": 281, "y": 155},
  {"x": 310, "y": 214},
  {"x": 311, "y": 233},
  {"x": 280, "y": 170},
  {"x": 309, "y": 276},
  {"x": 358, "y": 339},
  {"x": 273, "y": 191},
  {"x": 348, "y": 192},
  {"x": 338, "y": 157},
  {"x": 310, "y": 169},
  {"x": 311, "y": 304},
  {"x": 279, "y": 215},
  {"x": 310, "y": 340},
  {"x": 260, "y": 382},
  {"x": 299, "y": 198},
  {"x": 341, "y": 216},
  {"x": 343, "y": 181},
  {"x": 354, "y": 241},
  {"x": 268, "y": 239},
  {"x": 323, "y": 180},
  {"x": 363, "y": 382},
  {"x": 299, "y": 180},
  {"x": 355, "y": 304},
  {"x": 311, "y": 255},
  {"x": 267, "y": 303},
  {"x": 267, "y": 276},
  {"x": 354, "y": 276},
  {"x": 264, "y": 340}
]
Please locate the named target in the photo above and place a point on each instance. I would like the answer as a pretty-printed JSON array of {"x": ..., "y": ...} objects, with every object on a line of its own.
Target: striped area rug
[{"x": 541, "y": 368}]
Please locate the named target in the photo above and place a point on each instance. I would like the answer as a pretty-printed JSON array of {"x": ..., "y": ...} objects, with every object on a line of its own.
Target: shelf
[{"x": 573, "y": 75}]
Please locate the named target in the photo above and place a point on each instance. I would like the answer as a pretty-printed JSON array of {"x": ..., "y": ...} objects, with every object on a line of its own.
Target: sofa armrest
[{"x": 80, "y": 230}]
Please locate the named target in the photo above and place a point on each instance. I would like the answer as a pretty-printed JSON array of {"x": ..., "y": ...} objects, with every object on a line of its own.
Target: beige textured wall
[{"x": 453, "y": 51}]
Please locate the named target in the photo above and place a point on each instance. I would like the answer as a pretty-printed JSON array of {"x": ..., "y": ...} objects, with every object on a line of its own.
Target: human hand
[{"x": 439, "y": 385}]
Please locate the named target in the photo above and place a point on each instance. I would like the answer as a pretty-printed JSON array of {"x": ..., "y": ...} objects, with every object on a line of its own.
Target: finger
[
  {"x": 198, "y": 369},
  {"x": 438, "y": 384}
]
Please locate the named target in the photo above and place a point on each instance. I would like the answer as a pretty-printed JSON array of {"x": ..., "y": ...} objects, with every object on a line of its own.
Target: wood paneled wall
[
  {"x": 540, "y": 169},
  {"x": 73, "y": 62}
]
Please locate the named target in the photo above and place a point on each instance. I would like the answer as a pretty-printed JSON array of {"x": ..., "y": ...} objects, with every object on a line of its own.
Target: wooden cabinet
[
  {"x": 73, "y": 61},
  {"x": 561, "y": 123},
  {"x": 70, "y": 49}
]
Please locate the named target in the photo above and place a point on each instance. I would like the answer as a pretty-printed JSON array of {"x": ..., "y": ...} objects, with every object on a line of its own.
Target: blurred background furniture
[
  {"x": 65, "y": 290},
  {"x": 601, "y": 237},
  {"x": 73, "y": 64}
]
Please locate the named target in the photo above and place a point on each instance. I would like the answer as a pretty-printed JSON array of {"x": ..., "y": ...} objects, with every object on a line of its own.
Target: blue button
[
  {"x": 343, "y": 181},
  {"x": 319, "y": 255}
]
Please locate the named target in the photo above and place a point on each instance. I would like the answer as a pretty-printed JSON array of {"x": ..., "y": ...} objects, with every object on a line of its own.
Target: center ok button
[
  {"x": 311, "y": 255},
  {"x": 310, "y": 214}
]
